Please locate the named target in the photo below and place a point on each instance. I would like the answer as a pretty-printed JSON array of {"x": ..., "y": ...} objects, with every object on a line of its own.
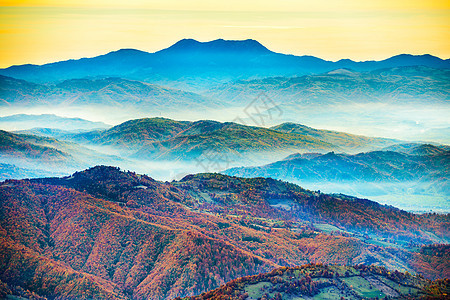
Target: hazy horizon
[
  {"x": 44, "y": 31},
  {"x": 206, "y": 41},
  {"x": 238, "y": 149}
]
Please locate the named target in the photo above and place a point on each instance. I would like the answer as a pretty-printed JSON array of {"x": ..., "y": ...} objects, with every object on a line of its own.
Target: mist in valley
[
  {"x": 413, "y": 196},
  {"x": 403, "y": 122},
  {"x": 198, "y": 150},
  {"x": 400, "y": 104}
]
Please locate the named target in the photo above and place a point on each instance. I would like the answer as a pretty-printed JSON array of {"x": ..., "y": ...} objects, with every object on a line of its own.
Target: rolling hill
[
  {"x": 405, "y": 85},
  {"x": 414, "y": 181},
  {"x": 30, "y": 147},
  {"x": 104, "y": 233},
  {"x": 404, "y": 97},
  {"x": 163, "y": 139},
  {"x": 35, "y": 156},
  {"x": 365, "y": 167},
  {"x": 234, "y": 140},
  {"x": 419, "y": 149},
  {"x": 136, "y": 132},
  {"x": 117, "y": 92},
  {"x": 407, "y": 103},
  {"x": 330, "y": 282},
  {"x": 146, "y": 144},
  {"x": 50, "y": 121},
  {"x": 347, "y": 142}
]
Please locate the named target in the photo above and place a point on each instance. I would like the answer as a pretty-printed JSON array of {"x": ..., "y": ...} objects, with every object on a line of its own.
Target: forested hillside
[
  {"x": 120, "y": 235},
  {"x": 330, "y": 282}
]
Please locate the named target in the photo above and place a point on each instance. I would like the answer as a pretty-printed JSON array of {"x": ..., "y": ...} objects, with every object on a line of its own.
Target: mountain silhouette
[
  {"x": 218, "y": 60},
  {"x": 248, "y": 46}
]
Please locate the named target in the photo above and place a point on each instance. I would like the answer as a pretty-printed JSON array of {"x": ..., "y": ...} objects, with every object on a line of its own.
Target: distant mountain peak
[
  {"x": 219, "y": 45},
  {"x": 411, "y": 59},
  {"x": 185, "y": 43},
  {"x": 216, "y": 60},
  {"x": 125, "y": 52},
  {"x": 128, "y": 50},
  {"x": 404, "y": 55},
  {"x": 346, "y": 61}
]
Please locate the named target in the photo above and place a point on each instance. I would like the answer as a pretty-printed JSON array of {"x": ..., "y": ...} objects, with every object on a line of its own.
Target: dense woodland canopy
[{"x": 105, "y": 233}]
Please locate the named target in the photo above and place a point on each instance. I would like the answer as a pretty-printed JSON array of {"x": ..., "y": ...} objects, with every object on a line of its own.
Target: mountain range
[
  {"x": 427, "y": 163},
  {"x": 412, "y": 176},
  {"x": 105, "y": 233},
  {"x": 413, "y": 100},
  {"x": 195, "y": 139},
  {"x": 185, "y": 136},
  {"x": 418, "y": 178},
  {"x": 173, "y": 229},
  {"x": 161, "y": 139},
  {"x": 405, "y": 85},
  {"x": 113, "y": 92},
  {"x": 400, "y": 85},
  {"x": 245, "y": 81},
  {"x": 188, "y": 59},
  {"x": 214, "y": 146}
]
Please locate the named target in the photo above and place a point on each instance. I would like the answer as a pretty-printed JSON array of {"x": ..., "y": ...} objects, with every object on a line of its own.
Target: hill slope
[
  {"x": 405, "y": 85},
  {"x": 376, "y": 175},
  {"x": 203, "y": 141},
  {"x": 329, "y": 282},
  {"x": 30, "y": 147},
  {"x": 92, "y": 236},
  {"x": 124, "y": 93},
  {"x": 24, "y": 122},
  {"x": 37, "y": 156},
  {"x": 376, "y": 166},
  {"x": 160, "y": 138},
  {"x": 346, "y": 141},
  {"x": 119, "y": 235},
  {"x": 408, "y": 103}
]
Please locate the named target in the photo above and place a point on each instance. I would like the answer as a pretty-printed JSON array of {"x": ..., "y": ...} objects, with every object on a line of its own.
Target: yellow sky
[{"x": 50, "y": 30}]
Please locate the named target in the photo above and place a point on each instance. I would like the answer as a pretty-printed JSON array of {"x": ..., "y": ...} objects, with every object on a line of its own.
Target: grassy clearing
[
  {"x": 364, "y": 288},
  {"x": 327, "y": 227},
  {"x": 254, "y": 290}
]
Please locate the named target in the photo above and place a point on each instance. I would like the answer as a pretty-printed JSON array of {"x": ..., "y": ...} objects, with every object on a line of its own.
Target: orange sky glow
[{"x": 46, "y": 31}]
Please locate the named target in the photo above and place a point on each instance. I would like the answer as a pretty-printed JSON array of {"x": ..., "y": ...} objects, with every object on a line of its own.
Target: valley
[
  {"x": 225, "y": 170},
  {"x": 390, "y": 170}
]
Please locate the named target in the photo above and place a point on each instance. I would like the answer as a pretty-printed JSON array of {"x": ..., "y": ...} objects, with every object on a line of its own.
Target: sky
[{"x": 43, "y": 31}]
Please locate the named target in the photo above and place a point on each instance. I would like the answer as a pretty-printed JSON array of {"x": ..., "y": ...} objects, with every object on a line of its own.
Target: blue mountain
[
  {"x": 218, "y": 60},
  {"x": 218, "y": 46}
]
